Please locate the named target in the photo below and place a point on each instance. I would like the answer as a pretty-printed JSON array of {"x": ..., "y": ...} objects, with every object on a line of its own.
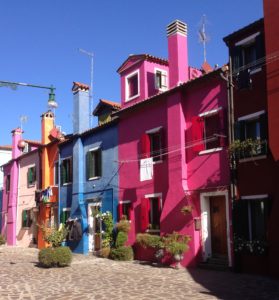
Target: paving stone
[{"x": 95, "y": 278}]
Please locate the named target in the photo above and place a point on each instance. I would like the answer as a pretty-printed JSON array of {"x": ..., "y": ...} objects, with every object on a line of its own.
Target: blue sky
[{"x": 40, "y": 41}]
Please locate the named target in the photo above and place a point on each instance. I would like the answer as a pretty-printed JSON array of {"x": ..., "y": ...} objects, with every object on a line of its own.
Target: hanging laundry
[{"x": 146, "y": 169}]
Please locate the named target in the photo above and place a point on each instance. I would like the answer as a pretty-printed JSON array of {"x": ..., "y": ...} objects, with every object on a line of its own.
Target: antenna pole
[
  {"x": 204, "y": 39},
  {"x": 91, "y": 56}
]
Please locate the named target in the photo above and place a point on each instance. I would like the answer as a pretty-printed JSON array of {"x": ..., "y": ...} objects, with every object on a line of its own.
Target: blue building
[{"x": 89, "y": 170}]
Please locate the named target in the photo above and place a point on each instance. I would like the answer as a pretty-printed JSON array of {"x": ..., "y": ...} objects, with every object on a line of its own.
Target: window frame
[
  {"x": 162, "y": 73},
  {"x": 121, "y": 213},
  {"x": 129, "y": 76},
  {"x": 160, "y": 203},
  {"x": 8, "y": 183},
  {"x": 33, "y": 182},
  {"x": 100, "y": 162},
  {"x": 56, "y": 176},
  {"x": 150, "y": 133},
  {"x": 208, "y": 114},
  {"x": 26, "y": 223},
  {"x": 69, "y": 158},
  {"x": 65, "y": 210}
]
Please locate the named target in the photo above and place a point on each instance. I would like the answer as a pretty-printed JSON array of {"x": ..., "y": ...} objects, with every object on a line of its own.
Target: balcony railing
[{"x": 247, "y": 149}]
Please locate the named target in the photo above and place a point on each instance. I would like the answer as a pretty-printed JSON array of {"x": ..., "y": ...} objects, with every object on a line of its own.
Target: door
[
  {"x": 94, "y": 227},
  {"x": 218, "y": 225}
]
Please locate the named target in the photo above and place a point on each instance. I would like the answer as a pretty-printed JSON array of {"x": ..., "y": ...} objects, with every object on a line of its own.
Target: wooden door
[{"x": 218, "y": 225}]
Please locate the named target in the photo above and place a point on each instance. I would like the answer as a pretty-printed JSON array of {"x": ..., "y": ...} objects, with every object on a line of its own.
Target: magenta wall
[{"x": 181, "y": 171}]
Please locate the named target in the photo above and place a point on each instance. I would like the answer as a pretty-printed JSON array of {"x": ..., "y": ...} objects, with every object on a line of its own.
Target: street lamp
[{"x": 13, "y": 85}]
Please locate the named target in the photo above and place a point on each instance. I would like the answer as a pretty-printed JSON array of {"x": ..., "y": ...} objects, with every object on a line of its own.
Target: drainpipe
[
  {"x": 17, "y": 197},
  {"x": 59, "y": 161}
]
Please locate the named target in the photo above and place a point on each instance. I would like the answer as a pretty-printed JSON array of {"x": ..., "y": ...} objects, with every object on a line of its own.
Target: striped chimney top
[{"x": 177, "y": 27}]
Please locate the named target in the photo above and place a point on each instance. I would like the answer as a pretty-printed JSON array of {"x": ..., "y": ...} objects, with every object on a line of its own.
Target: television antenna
[
  {"x": 203, "y": 37},
  {"x": 91, "y": 56},
  {"x": 23, "y": 119}
]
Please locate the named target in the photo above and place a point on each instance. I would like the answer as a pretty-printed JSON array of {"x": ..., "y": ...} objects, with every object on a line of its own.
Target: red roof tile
[{"x": 79, "y": 86}]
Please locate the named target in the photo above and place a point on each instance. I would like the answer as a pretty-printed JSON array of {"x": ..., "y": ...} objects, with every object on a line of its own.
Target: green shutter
[
  {"x": 24, "y": 218},
  {"x": 89, "y": 165},
  {"x": 29, "y": 176},
  {"x": 99, "y": 163}
]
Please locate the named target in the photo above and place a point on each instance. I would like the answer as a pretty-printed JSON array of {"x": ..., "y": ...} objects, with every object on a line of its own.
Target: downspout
[
  {"x": 17, "y": 197},
  {"x": 58, "y": 200}
]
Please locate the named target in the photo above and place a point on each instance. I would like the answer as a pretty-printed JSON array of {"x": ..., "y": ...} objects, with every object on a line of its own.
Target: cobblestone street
[{"x": 96, "y": 278}]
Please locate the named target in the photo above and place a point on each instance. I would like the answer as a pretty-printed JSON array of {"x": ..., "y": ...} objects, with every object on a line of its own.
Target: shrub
[
  {"x": 2, "y": 240},
  {"x": 148, "y": 240},
  {"x": 122, "y": 253},
  {"x": 62, "y": 256},
  {"x": 55, "y": 257},
  {"x": 104, "y": 252},
  {"x": 121, "y": 239},
  {"x": 54, "y": 236},
  {"x": 123, "y": 226},
  {"x": 175, "y": 243}
]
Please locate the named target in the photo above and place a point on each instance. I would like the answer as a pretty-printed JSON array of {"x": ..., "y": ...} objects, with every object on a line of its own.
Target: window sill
[
  {"x": 31, "y": 185},
  {"x": 254, "y": 71},
  {"x": 157, "y": 162},
  {"x": 259, "y": 157},
  {"x": 210, "y": 150},
  {"x": 67, "y": 183},
  {"x": 153, "y": 230},
  {"x": 132, "y": 98},
  {"x": 94, "y": 178}
]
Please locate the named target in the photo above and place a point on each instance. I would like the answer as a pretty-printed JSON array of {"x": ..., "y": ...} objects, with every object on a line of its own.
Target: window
[
  {"x": 56, "y": 173},
  {"x": 160, "y": 80},
  {"x": 132, "y": 86},
  {"x": 150, "y": 214},
  {"x": 245, "y": 59},
  {"x": 8, "y": 182},
  {"x": 65, "y": 215},
  {"x": 26, "y": 218},
  {"x": 208, "y": 132},
  {"x": 152, "y": 144},
  {"x": 27, "y": 148},
  {"x": 124, "y": 210},
  {"x": 31, "y": 176},
  {"x": 250, "y": 218},
  {"x": 94, "y": 163},
  {"x": 253, "y": 127},
  {"x": 66, "y": 171}
]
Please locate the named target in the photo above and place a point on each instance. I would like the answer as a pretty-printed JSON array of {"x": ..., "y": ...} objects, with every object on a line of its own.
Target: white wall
[{"x": 5, "y": 156}]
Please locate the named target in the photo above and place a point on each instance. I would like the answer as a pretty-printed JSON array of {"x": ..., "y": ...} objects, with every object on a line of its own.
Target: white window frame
[
  {"x": 159, "y": 196},
  {"x": 61, "y": 162},
  {"x": 163, "y": 72},
  {"x": 98, "y": 148},
  {"x": 210, "y": 113},
  {"x": 127, "y": 98}
]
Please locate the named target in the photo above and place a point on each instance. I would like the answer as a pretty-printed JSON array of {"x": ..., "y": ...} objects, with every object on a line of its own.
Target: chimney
[
  {"x": 81, "y": 114},
  {"x": 47, "y": 124},
  {"x": 16, "y": 138},
  {"x": 178, "y": 53}
]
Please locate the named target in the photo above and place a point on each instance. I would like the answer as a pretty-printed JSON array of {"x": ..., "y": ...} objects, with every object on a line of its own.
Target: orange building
[{"x": 48, "y": 194}]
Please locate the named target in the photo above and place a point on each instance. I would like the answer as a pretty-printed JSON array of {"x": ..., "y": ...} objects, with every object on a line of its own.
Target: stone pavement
[{"x": 96, "y": 278}]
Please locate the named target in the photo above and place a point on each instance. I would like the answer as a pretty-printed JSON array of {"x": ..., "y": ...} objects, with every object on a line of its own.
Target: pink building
[
  {"x": 18, "y": 190},
  {"x": 172, "y": 150}
]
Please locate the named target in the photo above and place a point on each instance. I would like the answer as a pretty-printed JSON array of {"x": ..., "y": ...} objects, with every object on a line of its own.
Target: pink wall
[
  {"x": 180, "y": 170},
  {"x": 26, "y": 199},
  {"x": 147, "y": 80}
]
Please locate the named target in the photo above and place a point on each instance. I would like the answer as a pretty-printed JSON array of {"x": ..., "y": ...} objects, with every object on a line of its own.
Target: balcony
[{"x": 247, "y": 149}]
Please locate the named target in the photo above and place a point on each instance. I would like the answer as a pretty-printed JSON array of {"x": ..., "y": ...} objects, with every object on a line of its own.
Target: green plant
[
  {"x": 186, "y": 209},
  {"x": 148, "y": 240},
  {"x": 2, "y": 240},
  {"x": 54, "y": 236},
  {"x": 122, "y": 253},
  {"x": 176, "y": 243},
  {"x": 55, "y": 257},
  {"x": 107, "y": 220},
  {"x": 104, "y": 252},
  {"x": 249, "y": 147},
  {"x": 123, "y": 226},
  {"x": 121, "y": 239}
]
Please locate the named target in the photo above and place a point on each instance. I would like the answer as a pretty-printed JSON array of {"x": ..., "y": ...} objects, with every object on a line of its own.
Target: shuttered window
[
  {"x": 152, "y": 144},
  {"x": 150, "y": 213},
  {"x": 124, "y": 210},
  {"x": 66, "y": 171},
  {"x": 94, "y": 164},
  {"x": 31, "y": 176},
  {"x": 8, "y": 183},
  {"x": 26, "y": 218},
  {"x": 65, "y": 214}
]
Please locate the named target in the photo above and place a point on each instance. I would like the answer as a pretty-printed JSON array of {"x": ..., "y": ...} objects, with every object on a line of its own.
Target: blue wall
[{"x": 82, "y": 191}]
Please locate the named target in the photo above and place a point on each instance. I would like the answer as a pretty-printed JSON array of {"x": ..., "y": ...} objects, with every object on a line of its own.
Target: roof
[
  {"x": 104, "y": 102},
  {"x": 242, "y": 30},
  {"x": 70, "y": 137},
  {"x": 158, "y": 96},
  {"x": 37, "y": 143},
  {"x": 6, "y": 147},
  {"x": 140, "y": 57}
]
